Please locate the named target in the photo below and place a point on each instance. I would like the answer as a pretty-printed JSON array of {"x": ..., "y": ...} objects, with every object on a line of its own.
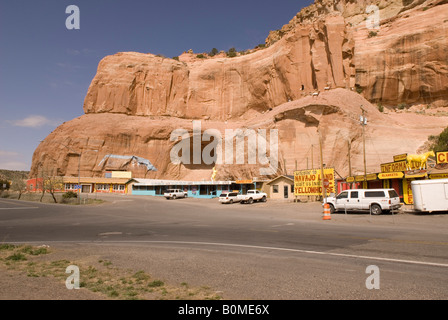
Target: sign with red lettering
[
  {"x": 309, "y": 182},
  {"x": 442, "y": 157}
]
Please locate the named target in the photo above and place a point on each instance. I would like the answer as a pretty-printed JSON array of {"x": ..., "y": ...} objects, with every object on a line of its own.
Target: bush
[
  {"x": 373, "y": 34},
  {"x": 380, "y": 108},
  {"x": 200, "y": 56},
  {"x": 70, "y": 195},
  {"x": 231, "y": 53},
  {"x": 439, "y": 143},
  {"x": 214, "y": 52}
]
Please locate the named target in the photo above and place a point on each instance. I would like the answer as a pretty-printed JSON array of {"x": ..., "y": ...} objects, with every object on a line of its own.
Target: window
[
  {"x": 393, "y": 194},
  {"x": 103, "y": 187},
  {"x": 119, "y": 187},
  {"x": 160, "y": 190},
  {"x": 275, "y": 189},
  {"x": 343, "y": 195},
  {"x": 354, "y": 195},
  {"x": 203, "y": 190},
  {"x": 374, "y": 194}
]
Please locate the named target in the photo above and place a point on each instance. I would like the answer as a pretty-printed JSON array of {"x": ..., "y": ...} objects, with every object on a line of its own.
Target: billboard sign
[{"x": 309, "y": 182}]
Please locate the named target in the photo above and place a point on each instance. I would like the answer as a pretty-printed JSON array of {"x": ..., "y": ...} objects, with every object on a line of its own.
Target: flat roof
[
  {"x": 96, "y": 180},
  {"x": 154, "y": 182}
]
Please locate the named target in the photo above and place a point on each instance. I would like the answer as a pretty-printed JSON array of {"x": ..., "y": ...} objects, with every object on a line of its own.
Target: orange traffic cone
[{"x": 327, "y": 212}]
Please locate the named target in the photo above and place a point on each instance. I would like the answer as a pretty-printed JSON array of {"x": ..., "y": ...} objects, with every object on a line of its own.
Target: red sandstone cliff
[{"x": 136, "y": 100}]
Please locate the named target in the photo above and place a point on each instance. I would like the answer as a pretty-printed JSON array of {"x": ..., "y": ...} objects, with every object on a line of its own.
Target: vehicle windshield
[
  {"x": 224, "y": 194},
  {"x": 343, "y": 195}
]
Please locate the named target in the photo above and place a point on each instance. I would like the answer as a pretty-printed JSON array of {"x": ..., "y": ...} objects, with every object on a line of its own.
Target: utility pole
[
  {"x": 363, "y": 120},
  {"x": 312, "y": 156},
  {"x": 349, "y": 160},
  {"x": 295, "y": 197},
  {"x": 322, "y": 178}
]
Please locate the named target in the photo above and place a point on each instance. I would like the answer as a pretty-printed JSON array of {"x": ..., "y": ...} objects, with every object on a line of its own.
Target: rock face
[{"x": 312, "y": 78}]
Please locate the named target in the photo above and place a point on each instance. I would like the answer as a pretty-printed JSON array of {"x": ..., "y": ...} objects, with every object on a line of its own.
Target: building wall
[{"x": 281, "y": 183}]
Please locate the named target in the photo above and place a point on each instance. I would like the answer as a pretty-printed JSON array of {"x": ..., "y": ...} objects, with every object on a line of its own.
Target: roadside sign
[
  {"x": 326, "y": 183},
  {"x": 309, "y": 183}
]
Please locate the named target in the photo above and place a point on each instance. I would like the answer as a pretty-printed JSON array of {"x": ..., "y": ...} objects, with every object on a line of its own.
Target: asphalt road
[{"x": 272, "y": 250}]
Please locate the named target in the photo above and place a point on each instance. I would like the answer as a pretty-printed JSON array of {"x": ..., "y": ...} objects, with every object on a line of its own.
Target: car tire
[
  {"x": 174, "y": 198},
  {"x": 263, "y": 199},
  {"x": 376, "y": 210},
  {"x": 332, "y": 210},
  {"x": 250, "y": 201},
  {"x": 231, "y": 202}
]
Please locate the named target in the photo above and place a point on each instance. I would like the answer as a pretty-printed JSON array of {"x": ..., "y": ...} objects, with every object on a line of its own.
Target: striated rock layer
[{"x": 137, "y": 100}]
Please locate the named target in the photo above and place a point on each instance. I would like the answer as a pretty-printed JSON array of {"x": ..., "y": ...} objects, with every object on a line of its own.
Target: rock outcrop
[{"x": 313, "y": 77}]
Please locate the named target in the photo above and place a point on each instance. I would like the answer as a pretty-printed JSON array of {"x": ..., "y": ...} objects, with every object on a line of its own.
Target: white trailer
[{"x": 430, "y": 195}]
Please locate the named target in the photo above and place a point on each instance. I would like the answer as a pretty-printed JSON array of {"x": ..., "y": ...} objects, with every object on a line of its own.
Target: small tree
[
  {"x": 19, "y": 186},
  {"x": 51, "y": 184},
  {"x": 439, "y": 143},
  {"x": 214, "y": 52},
  {"x": 231, "y": 53}
]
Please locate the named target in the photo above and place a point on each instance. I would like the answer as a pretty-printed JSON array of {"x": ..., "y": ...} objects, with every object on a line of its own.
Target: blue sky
[{"x": 46, "y": 69}]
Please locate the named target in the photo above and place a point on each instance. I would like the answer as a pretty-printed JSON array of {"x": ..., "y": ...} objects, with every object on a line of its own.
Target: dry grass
[{"x": 101, "y": 276}]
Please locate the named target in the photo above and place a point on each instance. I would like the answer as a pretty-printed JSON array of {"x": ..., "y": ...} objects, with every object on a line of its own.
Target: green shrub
[
  {"x": 231, "y": 53},
  {"x": 155, "y": 284},
  {"x": 214, "y": 52},
  {"x": 70, "y": 195},
  {"x": 439, "y": 143},
  {"x": 17, "y": 257}
]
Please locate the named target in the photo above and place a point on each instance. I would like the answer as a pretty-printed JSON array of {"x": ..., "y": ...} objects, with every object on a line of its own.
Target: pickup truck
[
  {"x": 251, "y": 196},
  {"x": 174, "y": 194}
]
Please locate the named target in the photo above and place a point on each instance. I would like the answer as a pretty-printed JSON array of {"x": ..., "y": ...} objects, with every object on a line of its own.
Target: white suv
[
  {"x": 229, "y": 197},
  {"x": 174, "y": 194},
  {"x": 374, "y": 200}
]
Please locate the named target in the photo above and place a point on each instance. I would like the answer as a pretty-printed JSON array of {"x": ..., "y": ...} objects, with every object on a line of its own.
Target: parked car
[
  {"x": 174, "y": 194},
  {"x": 229, "y": 197},
  {"x": 252, "y": 196},
  {"x": 374, "y": 200}
]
